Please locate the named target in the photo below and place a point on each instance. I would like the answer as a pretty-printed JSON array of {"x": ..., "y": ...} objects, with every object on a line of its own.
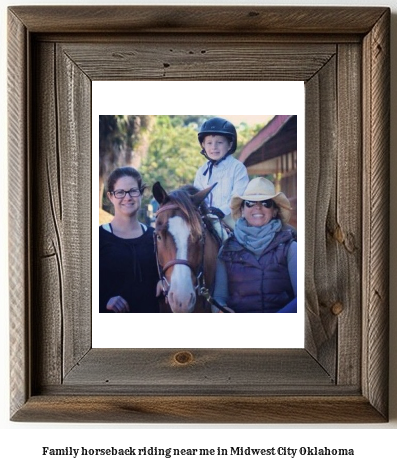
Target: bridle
[
  {"x": 200, "y": 288},
  {"x": 199, "y": 273}
]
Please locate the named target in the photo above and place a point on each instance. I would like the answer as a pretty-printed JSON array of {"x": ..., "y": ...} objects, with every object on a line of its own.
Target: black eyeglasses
[
  {"x": 264, "y": 203},
  {"x": 120, "y": 194}
]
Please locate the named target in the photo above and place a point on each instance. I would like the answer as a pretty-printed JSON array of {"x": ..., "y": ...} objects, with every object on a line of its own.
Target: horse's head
[{"x": 180, "y": 239}]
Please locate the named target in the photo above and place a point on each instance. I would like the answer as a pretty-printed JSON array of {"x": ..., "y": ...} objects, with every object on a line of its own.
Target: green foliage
[
  {"x": 194, "y": 121},
  {"x": 174, "y": 153}
]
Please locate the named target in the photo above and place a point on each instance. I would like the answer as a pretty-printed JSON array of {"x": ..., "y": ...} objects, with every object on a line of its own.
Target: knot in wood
[
  {"x": 339, "y": 235},
  {"x": 337, "y": 308},
  {"x": 183, "y": 358}
]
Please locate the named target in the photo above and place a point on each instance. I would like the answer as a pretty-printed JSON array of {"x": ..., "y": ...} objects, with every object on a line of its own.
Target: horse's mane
[{"x": 194, "y": 215}]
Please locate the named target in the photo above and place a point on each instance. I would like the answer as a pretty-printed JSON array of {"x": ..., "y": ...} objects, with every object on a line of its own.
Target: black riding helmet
[{"x": 221, "y": 127}]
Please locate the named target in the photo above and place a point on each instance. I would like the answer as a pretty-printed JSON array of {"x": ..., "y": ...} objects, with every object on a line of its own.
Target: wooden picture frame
[{"x": 342, "y": 54}]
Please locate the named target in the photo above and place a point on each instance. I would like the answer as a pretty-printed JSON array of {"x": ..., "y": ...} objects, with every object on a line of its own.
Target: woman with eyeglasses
[
  {"x": 257, "y": 265},
  {"x": 127, "y": 266}
]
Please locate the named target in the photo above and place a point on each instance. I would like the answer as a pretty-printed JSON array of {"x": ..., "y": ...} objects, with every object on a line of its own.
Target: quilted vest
[{"x": 258, "y": 285}]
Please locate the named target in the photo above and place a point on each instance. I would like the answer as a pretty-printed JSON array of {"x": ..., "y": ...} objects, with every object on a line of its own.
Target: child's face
[{"x": 216, "y": 146}]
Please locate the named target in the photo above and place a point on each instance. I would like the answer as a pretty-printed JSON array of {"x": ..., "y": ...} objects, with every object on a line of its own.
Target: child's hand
[{"x": 216, "y": 212}]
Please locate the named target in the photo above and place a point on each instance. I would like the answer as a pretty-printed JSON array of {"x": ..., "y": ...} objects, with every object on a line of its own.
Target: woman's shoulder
[
  {"x": 290, "y": 231},
  {"x": 105, "y": 230},
  {"x": 106, "y": 233},
  {"x": 231, "y": 244},
  {"x": 105, "y": 227},
  {"x": 146, "y": 237},
  {"x": 149, "y": 230},
  {"x": 105, "y": 237}
]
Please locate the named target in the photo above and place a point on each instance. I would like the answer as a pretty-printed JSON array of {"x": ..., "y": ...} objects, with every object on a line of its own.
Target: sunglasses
[{"x": 264, "y": 203}]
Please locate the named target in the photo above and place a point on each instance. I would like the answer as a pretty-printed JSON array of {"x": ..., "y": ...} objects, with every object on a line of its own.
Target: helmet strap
[{"x": 212, "y": 163}]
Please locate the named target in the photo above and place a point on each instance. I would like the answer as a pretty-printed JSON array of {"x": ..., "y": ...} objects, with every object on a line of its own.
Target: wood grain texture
[
  {"x": 375, "y": 322},
  {"x": 320, "y": 174},
  {"x": 62, "y": 223},
  {"x": 47, "y": 313},
  {"x": 169, "y": 59},
  {"x": 19, "y": 277},
  {"x": 334, "y": 216},
  {"x": 346, "y": 226},
  {"x": 196, "y": 19},
  {"x": 198, "y": 409},
  {"x": 75, "y": 177},
  {"x": 341, "y": 375},
  {"x": 207, "y": 370}
]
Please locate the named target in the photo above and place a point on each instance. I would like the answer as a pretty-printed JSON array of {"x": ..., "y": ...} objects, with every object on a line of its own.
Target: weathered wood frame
[{"x": 342, "y": 54}]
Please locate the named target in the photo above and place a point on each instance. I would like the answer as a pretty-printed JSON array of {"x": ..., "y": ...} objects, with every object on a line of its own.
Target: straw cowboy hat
[{"x": 259, "y": 189}]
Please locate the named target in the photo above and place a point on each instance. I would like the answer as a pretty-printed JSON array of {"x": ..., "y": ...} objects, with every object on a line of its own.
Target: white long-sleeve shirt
[{"x": 232, "y": 178}]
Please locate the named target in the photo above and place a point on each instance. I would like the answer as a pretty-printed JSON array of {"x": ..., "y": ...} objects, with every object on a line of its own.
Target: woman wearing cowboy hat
[{"x": 257, "y": 265}]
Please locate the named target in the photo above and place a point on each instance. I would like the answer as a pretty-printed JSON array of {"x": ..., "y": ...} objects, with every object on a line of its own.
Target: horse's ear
[
  {"x": 160, "y": 195},
  {"x": 199, "y": 197}
]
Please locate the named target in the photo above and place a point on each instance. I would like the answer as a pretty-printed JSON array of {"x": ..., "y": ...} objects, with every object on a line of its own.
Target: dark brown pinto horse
[{"x": 187, "y": 247}]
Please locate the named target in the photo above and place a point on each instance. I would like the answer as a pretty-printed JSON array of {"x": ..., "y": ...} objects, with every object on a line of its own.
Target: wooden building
[{"x": 272, "y": 153}]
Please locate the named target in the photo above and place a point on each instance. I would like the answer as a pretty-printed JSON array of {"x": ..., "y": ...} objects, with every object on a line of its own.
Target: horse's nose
[{"x": 180, "y": 303}]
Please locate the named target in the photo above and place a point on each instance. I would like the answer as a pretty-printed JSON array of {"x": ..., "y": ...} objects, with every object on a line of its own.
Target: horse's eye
[{"x": 158, "y": 236}]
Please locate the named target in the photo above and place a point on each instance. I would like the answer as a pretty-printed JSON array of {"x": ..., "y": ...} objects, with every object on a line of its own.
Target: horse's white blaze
[{"x": 181, "y": 296}]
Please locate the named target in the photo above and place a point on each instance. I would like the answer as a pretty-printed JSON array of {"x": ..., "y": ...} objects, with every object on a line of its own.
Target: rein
[{"x": 200, "y": 288}]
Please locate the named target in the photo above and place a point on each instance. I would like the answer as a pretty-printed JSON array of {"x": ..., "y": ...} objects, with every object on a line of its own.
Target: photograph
[{"x": 197, "y": 214}]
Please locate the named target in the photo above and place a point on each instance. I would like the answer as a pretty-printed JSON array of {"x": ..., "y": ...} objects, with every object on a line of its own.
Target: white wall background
[{"x": 21, "y": 444}]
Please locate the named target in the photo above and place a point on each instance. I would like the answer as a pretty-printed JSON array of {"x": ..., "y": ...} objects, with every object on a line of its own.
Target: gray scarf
[{"x": 256, "y": 239}]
